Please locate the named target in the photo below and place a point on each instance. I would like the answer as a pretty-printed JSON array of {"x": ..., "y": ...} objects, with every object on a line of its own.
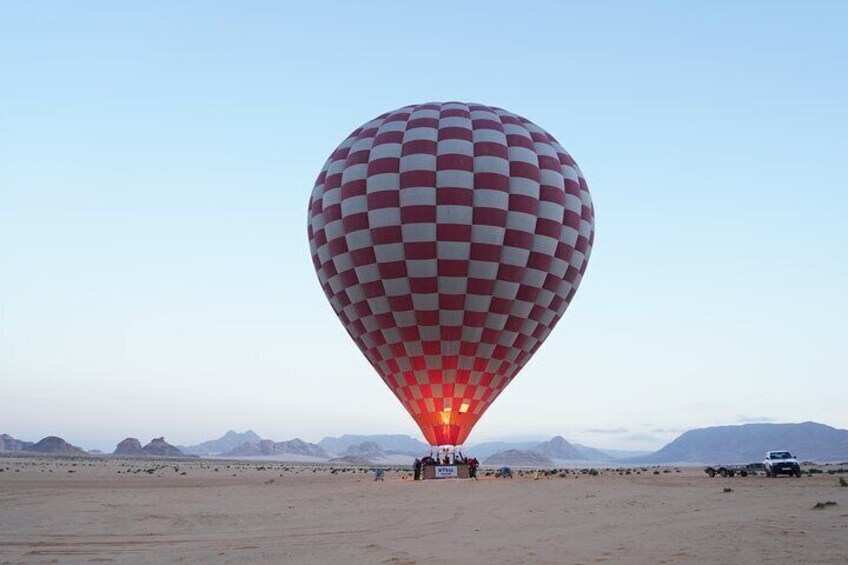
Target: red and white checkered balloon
[{"x": 449, "y": 239}]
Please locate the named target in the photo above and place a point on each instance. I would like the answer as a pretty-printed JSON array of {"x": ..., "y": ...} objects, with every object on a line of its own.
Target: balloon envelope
[{"x": 449, "y": 239}]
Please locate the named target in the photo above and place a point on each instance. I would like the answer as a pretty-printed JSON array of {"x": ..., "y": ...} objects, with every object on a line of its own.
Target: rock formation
[
  {"x": 519, "y": 458},
  {"x": 158, "y": 447},
  {"x": 129, "y": 447},
  {"x": 52, "y": 445},
  {"x": 8, "y": 443},
  {"x": 366, "y": 450},
  {"x": 558, "y": 448}
]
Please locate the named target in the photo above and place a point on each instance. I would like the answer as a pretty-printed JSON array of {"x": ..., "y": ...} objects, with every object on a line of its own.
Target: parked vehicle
[
  {"x": 781, "y": 463},
  {"x": 727, "y": 470}
]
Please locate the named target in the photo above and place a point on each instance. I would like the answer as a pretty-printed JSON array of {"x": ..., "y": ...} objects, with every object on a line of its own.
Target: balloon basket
[{"x": 458, "y": 471}]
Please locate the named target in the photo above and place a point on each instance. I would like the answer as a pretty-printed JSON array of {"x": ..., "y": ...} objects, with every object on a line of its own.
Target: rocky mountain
[
  {"x": 52, "y": 445},
  {"x": 228, "y": 442},
  {"x": 246, "y": 449},
  {"x": 596, "y": 454},
  {"x": 746, "y": 443},
  {"x": 297, "y": 446},
  {"x": 484, "y": 450},
  {"x": 558, "y": 448},
  {"x": 158, "y": 447},
  {"x": 268, "y": 447},
  {"x": 8, "y": 443},
  {"x": 389, "y": 443},
  {"x": 253, "y": 449},
  {"x": 129, "y": 447},
  {"x": 366, "y": 450},
  {"x": 518, "y": 458}
]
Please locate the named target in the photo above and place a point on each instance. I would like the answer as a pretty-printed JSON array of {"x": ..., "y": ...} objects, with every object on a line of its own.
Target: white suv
[{"x": 781, "y": 463}]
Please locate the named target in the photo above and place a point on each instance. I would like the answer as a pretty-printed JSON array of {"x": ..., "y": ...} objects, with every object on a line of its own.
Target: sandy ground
[{"x": 148, "y": 511}]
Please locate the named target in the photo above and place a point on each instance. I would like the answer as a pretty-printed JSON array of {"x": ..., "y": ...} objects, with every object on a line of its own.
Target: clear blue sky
[{"x": 156, "y": 160}]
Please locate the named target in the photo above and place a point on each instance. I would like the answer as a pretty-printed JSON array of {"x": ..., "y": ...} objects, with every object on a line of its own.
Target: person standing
[{"x": 416, "y": 467}]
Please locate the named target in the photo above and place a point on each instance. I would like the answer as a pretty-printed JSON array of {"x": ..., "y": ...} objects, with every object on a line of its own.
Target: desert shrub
[
  {"x": 656, "y": 472},
  {"x": 727, "y": 489},
  {"x": 843, "y": 482},
  {"x": 822, "y": 505}
]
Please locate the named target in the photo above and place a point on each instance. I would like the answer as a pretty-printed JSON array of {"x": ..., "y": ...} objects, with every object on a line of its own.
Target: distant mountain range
[
  {"x": 544, "y": 454},
  {"x": 8, "y": 443},
  {"x": 574, "y": 451},
  {"x": 518, "y": 458},
  {"x": 267, "y": 447},
  {"x": 228, "y": 442},
  {"x": 397, "y": 444},
  {"x": 722, "y": 444},
  {"x": 748, "y": 443}
]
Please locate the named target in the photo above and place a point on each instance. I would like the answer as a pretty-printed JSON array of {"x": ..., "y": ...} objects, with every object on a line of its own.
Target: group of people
[{"x": 448, "y": 459}]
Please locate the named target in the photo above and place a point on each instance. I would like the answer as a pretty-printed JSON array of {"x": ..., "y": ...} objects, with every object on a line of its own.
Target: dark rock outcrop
[
  {"x": 129, "y": 447},
  {"x": 52, "y": 445},
  {"x": 158, "y": 447}
]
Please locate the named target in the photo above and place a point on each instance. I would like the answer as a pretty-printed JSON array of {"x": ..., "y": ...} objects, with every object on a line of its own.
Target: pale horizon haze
[{"x": 156, "y": 161}]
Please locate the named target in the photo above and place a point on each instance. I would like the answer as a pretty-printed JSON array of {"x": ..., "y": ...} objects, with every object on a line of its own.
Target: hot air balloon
[{"x": 449, "y": 239}]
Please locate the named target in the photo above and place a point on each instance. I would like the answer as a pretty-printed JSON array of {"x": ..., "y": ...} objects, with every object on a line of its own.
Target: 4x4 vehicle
[
  {"x": 727, "y": 470},
  {"x": 781, "y": 463}
]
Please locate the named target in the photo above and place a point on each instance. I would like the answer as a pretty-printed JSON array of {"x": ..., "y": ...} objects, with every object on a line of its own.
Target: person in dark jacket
[
  {"x": 472, "y": 467},
  {"x": 416, "y": 467}
]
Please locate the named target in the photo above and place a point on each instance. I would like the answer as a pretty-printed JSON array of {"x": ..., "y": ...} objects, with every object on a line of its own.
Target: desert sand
[{"x": 62, "y": 510}]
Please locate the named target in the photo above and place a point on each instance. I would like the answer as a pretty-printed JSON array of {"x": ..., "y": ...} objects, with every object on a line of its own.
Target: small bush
[
  {"x": 843, "y": 482},
  {"x": 727, "y": 489},
  {"x": 822, "y": 505}
]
